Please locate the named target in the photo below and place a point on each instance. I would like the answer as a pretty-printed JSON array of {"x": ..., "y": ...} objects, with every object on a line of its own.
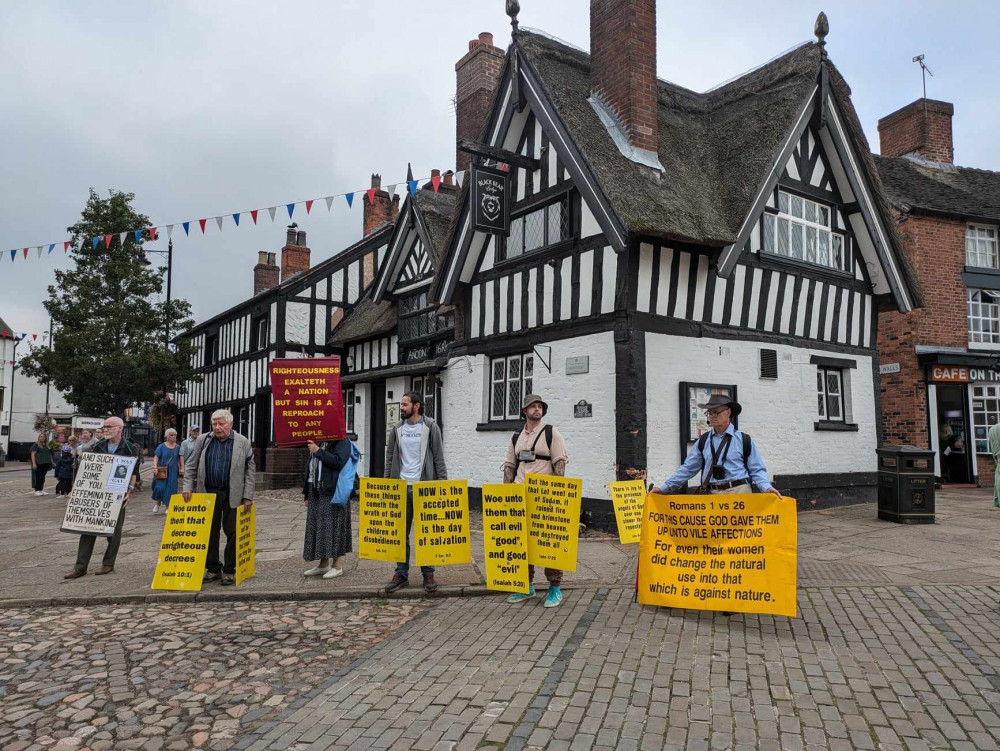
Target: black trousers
[
  {"x": 63, "y": 485},
  {"x": 38, "y": 476},
  {"x": 223, "y": 518},
  {"x": 86, "y": 547}
]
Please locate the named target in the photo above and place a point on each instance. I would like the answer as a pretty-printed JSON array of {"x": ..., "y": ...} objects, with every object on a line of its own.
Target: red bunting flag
[
  {"x": 435, "y": 182},
  {"x": 34, "y": 337},
  {"x": 25, "y": 252},
  {"x": 66, "y": 247},
  {"x": 253, "y": 215},
  {"x": 107, "y": 242},
  {"x": 309, "y": 205},
  {"x": 152, "y": 233},
  {"x": 371, "y": 195},
  {"x": 202, "y": 223}
]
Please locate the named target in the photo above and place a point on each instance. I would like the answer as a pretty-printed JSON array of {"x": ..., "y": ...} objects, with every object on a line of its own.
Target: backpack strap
[
  {"x": 746, "y": 455},
  {"x": 548, "y": 444}
]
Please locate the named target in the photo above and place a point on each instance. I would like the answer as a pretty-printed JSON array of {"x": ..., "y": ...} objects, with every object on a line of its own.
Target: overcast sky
[{"x": 208, "y": 108}]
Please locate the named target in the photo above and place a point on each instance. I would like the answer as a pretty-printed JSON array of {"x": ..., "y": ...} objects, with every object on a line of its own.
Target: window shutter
[{"x": 769, "y": 363}]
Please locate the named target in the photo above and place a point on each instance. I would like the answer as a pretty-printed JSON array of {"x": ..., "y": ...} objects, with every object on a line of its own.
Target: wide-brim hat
[
  {"x": 531, "y": 399},
  {"x": 721, "y": 400}
]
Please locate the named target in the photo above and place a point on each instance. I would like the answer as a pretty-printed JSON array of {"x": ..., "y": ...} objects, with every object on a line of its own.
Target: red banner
[{"x": 308, "y": 404}]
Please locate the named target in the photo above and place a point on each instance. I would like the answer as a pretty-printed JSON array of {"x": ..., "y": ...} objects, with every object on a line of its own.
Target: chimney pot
[
  {"x": 377, "y": 181},
  {"x": 486, "y": 38},
  {"x": 262, "y": 258},
  {"x": 290, "y": 235},
  {"x": 300, "y": 238},
  {"x": 448, "y": 176},
  {"x": 435, "y": 173}
]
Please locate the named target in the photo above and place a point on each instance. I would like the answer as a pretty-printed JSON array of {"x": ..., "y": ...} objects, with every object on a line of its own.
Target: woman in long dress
[
  {"x": 167, "y": 454},
  {"x": 328, "y": 526}
]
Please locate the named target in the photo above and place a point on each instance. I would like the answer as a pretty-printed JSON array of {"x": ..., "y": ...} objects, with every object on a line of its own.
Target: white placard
[{"x": 98, "y": 492}]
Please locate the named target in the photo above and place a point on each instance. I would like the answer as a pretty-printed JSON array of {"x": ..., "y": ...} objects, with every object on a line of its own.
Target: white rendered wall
[
  {"x": 779, "y": 414},
  {"x": 590, "y": 442},
  {"x": 297, "y": 323},
  {"x": 362, "y": 400}
]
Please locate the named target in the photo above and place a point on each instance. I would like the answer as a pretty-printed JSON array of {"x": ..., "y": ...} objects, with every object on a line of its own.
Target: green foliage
[{"x": 108, "y": 331}]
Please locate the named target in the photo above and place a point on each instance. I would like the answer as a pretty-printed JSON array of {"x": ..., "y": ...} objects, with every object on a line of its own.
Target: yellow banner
[
  {"x": 719, "y": 552},
  {"x": 553, "y": 520},
  {"x": 505, "y": 537},
  {"x": 628, "y": 497},
  {"x": 184, "y": 544},
  {"x": 382, "y": 536},
  {"x": 246, "y": 542},
  {"x": 441, "y": 522}
]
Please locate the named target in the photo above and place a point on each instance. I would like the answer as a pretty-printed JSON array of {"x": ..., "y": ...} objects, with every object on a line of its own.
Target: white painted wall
[
  {"x": 28, "y": 401},
  {"x": 362, "y": 402},
  {"x": 297, "y": 322},
  {"x": 477, "y": 456},
  {"x": 779, "y": 414}
]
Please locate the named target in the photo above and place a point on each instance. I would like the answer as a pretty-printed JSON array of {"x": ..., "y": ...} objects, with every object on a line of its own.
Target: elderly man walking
[
  {"x": 222, "y": 463},
  {"x": 112, "y": 443},
  {"x": 187, "y": 445}
]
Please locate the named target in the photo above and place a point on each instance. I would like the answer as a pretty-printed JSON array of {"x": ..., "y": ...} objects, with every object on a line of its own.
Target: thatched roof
[{"x": 368, "y": 318}]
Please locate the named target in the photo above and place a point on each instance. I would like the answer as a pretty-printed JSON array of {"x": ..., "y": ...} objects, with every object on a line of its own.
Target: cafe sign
[
  {"x": 962, "y": 374},
  {"x": 490, "y": 194}
]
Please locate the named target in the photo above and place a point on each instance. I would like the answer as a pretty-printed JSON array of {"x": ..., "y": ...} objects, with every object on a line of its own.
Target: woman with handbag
[
  {"x": 168, "y": 465},
  {"x": 328, "y": 522}
]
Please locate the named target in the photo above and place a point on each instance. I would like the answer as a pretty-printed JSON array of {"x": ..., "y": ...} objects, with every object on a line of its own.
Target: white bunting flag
[
  {"x": 271, "y": 212},
  {"x": 459, "y": 176},
  {"x": 38, "y": 251},
  {"x": 218, "y": 220},
  {"x": 391, "y": 190},
  {"x": 170, "y": 231},
  {"x": 121, "y": 239},
  {"x": 329, "y": 202}
]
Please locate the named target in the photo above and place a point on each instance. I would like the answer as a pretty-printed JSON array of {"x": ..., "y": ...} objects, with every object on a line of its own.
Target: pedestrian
[
  {"x": 726, "y": 458},
  {"x": 41, "y": 463},
  {"x": 994, "y": 444},
  {"x": 112, "y": 443},
  {"x": 328, "y": 525},
  {"x": 168, "y": 464},
  {"x": 415, "y": 453},
  {"x": 222, "y": 463},
  {"x": 143, "y": 453},
  {"x": 538, "y": 449},
  {"x": 64, "y": 471},
  {"x": 187, "y": 445}
]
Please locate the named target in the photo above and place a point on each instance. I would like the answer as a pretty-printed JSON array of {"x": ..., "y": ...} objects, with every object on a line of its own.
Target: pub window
[
  {"x": 426, "y": 386},
  {"x": 419, "y": 318},
  {"x": 801, "y": 230},
  {"x": 985, "y": 413},
  {"x": 510, "y": 380},
  {"x": 348, "y": 396},
  {"x": 981, "y": 247},
  {"x": 261, "y": 332},
  {"x": 984, "y": 316},
  {"x": 241, "y": 419},
  {"x": 211, "y": 349},
  {"x": 830, "y": 394},
  {"x": 539, "y": 228}
]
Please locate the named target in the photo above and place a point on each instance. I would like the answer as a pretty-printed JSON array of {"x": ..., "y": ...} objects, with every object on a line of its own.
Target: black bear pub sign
[{"x": 490, "y": 200}]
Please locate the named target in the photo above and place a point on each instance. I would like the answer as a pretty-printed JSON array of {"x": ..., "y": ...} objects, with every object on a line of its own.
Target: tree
[{"x": 108, "y": 348}]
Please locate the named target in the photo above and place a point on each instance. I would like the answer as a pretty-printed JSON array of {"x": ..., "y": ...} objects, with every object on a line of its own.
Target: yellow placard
[
  {"x": 505, "y": 537},
  {"x": 382, "y": 536},
  {"x": 246, "y": 542},
  {"x": 553, "y": 520},
  {"x": 180, "y": 564},
  {"x": 719, "y": 552},
  {"x": 628, "y": 497},
  {"x": 441, "y": 529}
]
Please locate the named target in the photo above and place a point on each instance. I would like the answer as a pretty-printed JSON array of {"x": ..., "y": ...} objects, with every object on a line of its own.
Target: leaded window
[
  {"x": 981, "y": 247},
  {"x": 802, "y": 230},
  {"x": 511, "y": 378},
  {"x": 830, "y": 394},
  {"x": 348, "y": 396},
  {"x": 426, "y": 386},
  {"x": 984, "y": 316},
  {"x": 419, "y": 319},
  {"x": 539, "y": 228}
]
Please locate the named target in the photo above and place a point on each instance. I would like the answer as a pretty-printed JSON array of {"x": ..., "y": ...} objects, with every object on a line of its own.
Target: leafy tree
[{"x": 108, "y": 348}]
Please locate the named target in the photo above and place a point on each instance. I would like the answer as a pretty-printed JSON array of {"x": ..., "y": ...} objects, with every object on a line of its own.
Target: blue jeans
[{"x": 404, "y": 568}]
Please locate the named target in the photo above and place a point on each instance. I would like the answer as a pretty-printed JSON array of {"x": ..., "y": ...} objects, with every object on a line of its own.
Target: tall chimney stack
[
  {"x": 922, "y": 127},
  {"x": 295, "y": 254},
  {"x": 623, "y": 67},
  {"x": 477, "y": 74},
  {"x": 380, "y": 210},
  {"x": 266, "y": 274}
]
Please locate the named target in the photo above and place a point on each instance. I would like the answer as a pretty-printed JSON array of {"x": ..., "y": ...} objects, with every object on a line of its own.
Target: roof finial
[
  {"x": 821, "y": 30},
  {"x": 513, "y": 8},
  {"x": 409, "y": 172}
]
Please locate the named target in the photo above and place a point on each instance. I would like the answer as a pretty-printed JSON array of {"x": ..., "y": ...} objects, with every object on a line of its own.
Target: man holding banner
[{"x": 538, "y": 449}]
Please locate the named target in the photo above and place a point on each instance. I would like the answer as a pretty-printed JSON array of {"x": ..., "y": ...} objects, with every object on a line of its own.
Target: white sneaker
[
  {"x": 316, "y": 571},
  {"x": 333, "y": 573},
  {"x": 156, "y": 508},
  {"x": 38, "y": 493}
]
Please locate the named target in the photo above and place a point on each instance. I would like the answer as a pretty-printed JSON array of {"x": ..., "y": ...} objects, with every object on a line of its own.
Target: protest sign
[
  {"x": 180, "y": 564},
  {"x": 719, "y": 552},
  {"x": 308, "y": 404},
  {"x": 441, "y": 522},
  {"x": 98, "y": 491},
  {"x": 553, "y": 520},
  {"x": 246, "y": 542},
  {"x": 505, "y": 537},
  {"x": 628, "y": 497},
  {"x": 382, "y": 536}
]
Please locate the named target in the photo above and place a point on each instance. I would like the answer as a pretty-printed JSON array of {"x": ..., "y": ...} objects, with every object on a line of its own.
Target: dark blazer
[
  {"x": 332, "y": 457},
  {"x": 125, "y": 448}
]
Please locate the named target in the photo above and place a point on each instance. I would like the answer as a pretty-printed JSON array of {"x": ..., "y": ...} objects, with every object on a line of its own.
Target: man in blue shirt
[{"x": 718, "y": 458}]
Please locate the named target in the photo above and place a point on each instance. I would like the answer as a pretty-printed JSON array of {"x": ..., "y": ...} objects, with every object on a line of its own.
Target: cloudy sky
[{"x": 208, "y": 108}]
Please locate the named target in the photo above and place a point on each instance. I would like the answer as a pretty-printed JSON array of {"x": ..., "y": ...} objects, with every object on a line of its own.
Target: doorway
[
  {"x": 953, "y": 434},
  {"x": 376, "y": 460}
]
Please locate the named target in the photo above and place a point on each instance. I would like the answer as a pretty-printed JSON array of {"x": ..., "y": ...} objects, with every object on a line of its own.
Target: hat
[
  {"x": 531, "y": 399},
  {"x": 194, "y": 428},
  {"x": 67, "y": 447},
  {"x": 721, "y": 400}
]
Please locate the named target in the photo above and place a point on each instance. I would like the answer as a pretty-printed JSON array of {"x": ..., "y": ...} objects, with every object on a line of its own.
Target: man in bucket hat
[
  {"x": 539, "y": 449},
  {"x": 725, "y": 458}
]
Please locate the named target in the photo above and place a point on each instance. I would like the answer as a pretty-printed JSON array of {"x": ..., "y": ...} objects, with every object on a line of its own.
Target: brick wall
[
  {"x": 266, "y": 273},
  {"x": 477, "y": 74},
  {"x": 286, "y": 468},
  {"x": 294, "y": 260},
  {"x": 623, "y": 65},
  {"x": 922, "y": 127}
]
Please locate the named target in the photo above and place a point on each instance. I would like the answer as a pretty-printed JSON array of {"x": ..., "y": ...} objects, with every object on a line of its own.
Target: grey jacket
[
  {"x": 242, "y": 470},
  {"x": 431, "y": 452}
]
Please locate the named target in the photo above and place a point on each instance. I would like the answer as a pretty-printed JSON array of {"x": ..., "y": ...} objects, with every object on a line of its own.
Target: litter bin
[{"x": 906, "y": 484}]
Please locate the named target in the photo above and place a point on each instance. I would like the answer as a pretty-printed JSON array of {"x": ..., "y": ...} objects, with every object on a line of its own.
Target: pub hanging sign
[{"x": 490, "y": 200}]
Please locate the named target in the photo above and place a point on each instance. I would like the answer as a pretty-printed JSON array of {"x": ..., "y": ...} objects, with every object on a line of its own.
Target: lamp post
[
  {"x": 13, "y": 375},
  {"x": 169, "y": 253}
]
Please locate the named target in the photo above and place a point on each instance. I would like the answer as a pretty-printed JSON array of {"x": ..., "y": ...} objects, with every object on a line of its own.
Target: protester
[
  {"x": 168, "y": 464},
  {"x": 187, "y": 445},
  {"x": 112, "y": 443},
  {"x": 41, "y": 463},
  {"x": 726, "y": 458},
  {"x": 64, "y": 471},
  {"x": 415, "y": 453},
  {"x": 539, "y": 449},
  {"x": 328, "y": 525},
  {"x": 222, "y": 463}
]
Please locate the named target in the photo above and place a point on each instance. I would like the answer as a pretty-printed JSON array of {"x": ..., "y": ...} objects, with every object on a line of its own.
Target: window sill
[
  {"x": 831, "y": 425},
  {"x": 499, "y": 425},
  {"x": 537, "y": 254},
  {"x": 794, "y": 263}
]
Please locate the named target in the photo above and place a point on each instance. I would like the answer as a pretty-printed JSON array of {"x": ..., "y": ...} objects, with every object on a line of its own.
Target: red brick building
[{"x": 940, "y": 379}]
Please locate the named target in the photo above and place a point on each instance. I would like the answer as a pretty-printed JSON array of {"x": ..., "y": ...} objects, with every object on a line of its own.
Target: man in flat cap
[
  {"x": 539, "y": 449},
  {"x": 725, "y": 458}
]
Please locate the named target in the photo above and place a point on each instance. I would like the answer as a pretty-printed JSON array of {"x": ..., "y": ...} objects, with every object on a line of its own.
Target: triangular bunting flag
[
  {"x": 187, "y": 227},
  {"x": 25, "y": 251},
  {"x": 435, "y": 182},
  {"x": 107, "y": 242},
  {"x": 38, "y": 252},
  {"x": 23, "y": 334},
  {"x": 371, "y": 195},
  {"x": 459, "y": 176},
  {"x": 170, "y": 231},
  {"x": 236, "y": 218},
  {"x": 253, "y": 215},
  {"x": 152, "y": 233},
  {"x": 202, "y": 223},
  {"x": 329, "y": 202},
  {"x": 121, "y": 239},
  {"x": 51, "y": 247},
  {"x": 218, "y": 220},
  {"x": 291, "y": 208},
  {"x": 350, "y": 200},
  {"x": 96, "y": 240},
  {"x": 34, "y": 337},
  {"x": 66, "y": 247},
  {"x": 271, "y": 211},
  {"x": 412, "y": 185},
  {"x": 392, "y": 191},
  {"x": 309, "y": 206},
  {"x": 137, "y": 236}
]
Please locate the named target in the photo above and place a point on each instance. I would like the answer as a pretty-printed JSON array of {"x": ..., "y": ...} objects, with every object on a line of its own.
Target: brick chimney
[
  {"x": 266, "y": 274},
  {"x": 623, "y": 66},
  {"x": 477, "y": 74},
  {"x": 295, "y": 254},
  {"x": 382, "y": 209},
  {"x": 922, "y": 127}
]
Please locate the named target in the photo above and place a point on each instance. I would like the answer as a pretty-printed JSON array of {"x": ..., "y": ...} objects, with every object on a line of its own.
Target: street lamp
[{"x": 169, "y": 253}]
